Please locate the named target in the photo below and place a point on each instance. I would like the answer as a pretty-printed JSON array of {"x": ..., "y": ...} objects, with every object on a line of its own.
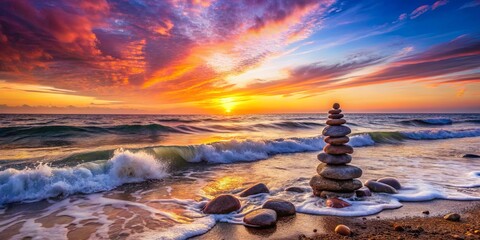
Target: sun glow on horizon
[{"x": 228, "y": 104}]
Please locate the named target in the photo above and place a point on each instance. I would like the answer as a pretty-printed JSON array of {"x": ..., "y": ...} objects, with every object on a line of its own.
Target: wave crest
[
  {"x": 428, "y": 121},
  {"x": 44, "y": 181}
]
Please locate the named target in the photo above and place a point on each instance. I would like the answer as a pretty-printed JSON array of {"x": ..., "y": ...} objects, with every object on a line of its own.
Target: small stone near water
[
  {"x": 398, "y": 228},
  {"x": 363, "y": 192},
  {"x": 295, "y": 189},
  {"x": 457, "y": 237},
  {"x": 330, "y": 194},
  {"x": 337, "y": 140},
  {"x": 454, "y": 217},
  {"x": 281, "y": 207},
  {"x": 343, "y": 230},
  {"x": 339, "y": 172},
  {"x": 256, "y": 189},
  {"x": 336, "y": 203},
  {"x": 391, "y": 182},
  {"x": 337, "y": 150},
  {"x": 334, "y": 159},
  {"x": 380, "y": 187},
  {"x": 261, "y": 218},
  {"x": 222, "y": 204},
  {"x": 335, "y": 116},
  {"x": 336, "y": 106},
  {"x": 426, "y": 212},
  {"x": 320, "y": 183},
  {"x": 336, "y": 131},
  {"x": 471, "y": 156},
  {"x": 335, "y": 111}
]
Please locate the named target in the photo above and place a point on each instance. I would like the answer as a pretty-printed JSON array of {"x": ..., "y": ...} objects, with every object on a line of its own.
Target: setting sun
[{"x": 228, "y": 104}]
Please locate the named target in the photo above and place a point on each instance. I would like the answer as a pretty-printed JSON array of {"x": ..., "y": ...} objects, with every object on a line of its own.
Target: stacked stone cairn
[{"x": 336, "y": 178}]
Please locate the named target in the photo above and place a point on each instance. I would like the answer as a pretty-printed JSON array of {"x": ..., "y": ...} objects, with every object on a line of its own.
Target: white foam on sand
[
  {"x": 44, "y": 181},
  {"x": 473, "y": 180}
]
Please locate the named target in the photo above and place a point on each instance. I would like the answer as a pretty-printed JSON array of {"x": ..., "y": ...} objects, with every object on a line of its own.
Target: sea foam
[{"x": 44, "y": 181}]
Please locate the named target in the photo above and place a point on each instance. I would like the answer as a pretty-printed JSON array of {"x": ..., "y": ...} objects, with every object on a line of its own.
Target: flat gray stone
[
  {"x": 255, "y": 189},
  {"x": 339, "y": 172},
  {"x": 375, "y": 186},
  {"x": 281, "y": 207},
  {"x": 261, "y": 218},
  {"x": 336, "y": 122},
  {"x": 320, "y": 183},
  {"x": 336, "y": 131},
  {"x": 363, "y": 192},
  {"x": 337, "y": 150},
  {"x": 295, "y": 189},
  {"x": 330, "y": 194},
  {"x": 335, "y": 111},
  {"x": 337, "y": 140},
  {"x": 334, "y": 159},
  {"x": 335, "y": 116},
  {"x": 393, "y": 182},
  {"x": 222, "y": 204}
]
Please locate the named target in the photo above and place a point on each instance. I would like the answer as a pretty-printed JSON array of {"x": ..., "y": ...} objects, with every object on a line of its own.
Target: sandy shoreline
[{"x": 379, "y": 225}]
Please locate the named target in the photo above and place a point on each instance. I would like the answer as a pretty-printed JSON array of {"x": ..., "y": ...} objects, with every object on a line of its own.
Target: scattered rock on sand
[
  {"x": 454, "y": 217},
  {"x": 398, "y": 228},
  {"x": 390, "y": 181},
  {"x": 336, "y": 203},
  {"x": 426, "y": 212},
  {"x": 295, "y": 189},
  {"x": 363, "y": 192},
  {"x": 261, "y": 218},
  {"x": 380, "y": 187},
  {"x": 343, "y": 230},
  {"x": 256, "y": 189},
  {"x": 222, "y": 204},
  {"x": 281, "y": 207},
  {"x": 457, "y": 237},
  {"x": 471, "y": 156},
  {"x": 334, "y": 159}
]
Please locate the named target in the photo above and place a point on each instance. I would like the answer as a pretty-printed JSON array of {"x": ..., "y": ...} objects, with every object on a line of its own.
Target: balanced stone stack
[{"x": 336, "y": 178}]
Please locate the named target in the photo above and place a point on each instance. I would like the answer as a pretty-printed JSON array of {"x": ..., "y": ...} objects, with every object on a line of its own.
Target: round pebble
[
  {"x": 454, "y": 217},
  {"x": 343, "y": 230}
]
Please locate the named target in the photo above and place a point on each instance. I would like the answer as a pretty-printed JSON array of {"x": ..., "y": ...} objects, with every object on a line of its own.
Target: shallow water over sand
[{"x": 171, "y": 208}]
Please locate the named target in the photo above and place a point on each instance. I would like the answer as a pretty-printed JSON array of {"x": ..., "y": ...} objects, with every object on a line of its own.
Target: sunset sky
[{"x": 238, "y": 57}]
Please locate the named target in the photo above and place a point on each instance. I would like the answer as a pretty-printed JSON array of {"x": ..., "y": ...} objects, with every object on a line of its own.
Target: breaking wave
[
  {"x": 428, "y": 121},
  {"x": 44, "y": 181}
]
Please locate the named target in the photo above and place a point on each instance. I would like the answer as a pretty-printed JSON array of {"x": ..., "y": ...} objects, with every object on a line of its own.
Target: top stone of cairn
[{"x": 336, "y": 106}]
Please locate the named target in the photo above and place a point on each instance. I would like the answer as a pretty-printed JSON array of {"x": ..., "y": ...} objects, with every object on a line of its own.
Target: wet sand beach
[{"x": 416, "y": 224}]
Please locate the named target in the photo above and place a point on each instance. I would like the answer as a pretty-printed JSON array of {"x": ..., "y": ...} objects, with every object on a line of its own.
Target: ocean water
[{"x": 148, "y": 176}]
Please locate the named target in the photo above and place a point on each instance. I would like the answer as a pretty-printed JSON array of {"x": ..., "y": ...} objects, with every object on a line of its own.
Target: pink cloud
[
  {"x": 402, "y": 17},
  {"x": 439, "y": 3},
  {"x": 419, "y": 11}
]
